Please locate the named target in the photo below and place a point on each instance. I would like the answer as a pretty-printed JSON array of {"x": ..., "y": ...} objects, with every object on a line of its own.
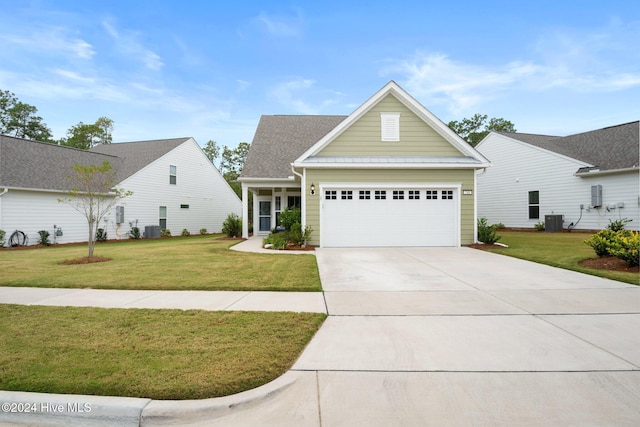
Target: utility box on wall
[
  {"x": 552, "y": 223},
  {"x": 119, "y": 214},
  {"x": 596, "y": 196}
]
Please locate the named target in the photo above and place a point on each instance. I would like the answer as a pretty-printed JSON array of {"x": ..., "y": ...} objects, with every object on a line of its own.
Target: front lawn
[
  {"x": 179, "y": 263},
  {"x": 157, "y": 354},
  {"x": 564, "y": 250}
]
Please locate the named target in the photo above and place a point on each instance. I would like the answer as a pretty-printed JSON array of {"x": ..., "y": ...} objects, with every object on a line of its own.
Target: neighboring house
[
  {"x": 174, "y": 186},
  {"x": 389, "y": 174},
  {"x": 588, "y": 178}
]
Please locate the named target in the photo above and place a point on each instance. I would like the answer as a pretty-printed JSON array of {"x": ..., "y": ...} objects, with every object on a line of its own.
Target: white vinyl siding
[{"x": 518, "y": 168}]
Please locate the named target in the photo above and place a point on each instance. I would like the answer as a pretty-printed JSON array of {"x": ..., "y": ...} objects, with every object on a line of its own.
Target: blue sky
[{"x": 209, "y": 69}]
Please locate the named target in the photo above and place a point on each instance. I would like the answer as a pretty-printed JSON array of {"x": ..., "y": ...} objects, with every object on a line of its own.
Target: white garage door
[{"x": 361, "y": 217}]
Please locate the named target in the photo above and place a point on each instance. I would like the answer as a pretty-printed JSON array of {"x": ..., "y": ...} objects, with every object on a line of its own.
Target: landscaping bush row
[
  {"x": 290, "y": 232},
  {"x": 618, "y": 242}
]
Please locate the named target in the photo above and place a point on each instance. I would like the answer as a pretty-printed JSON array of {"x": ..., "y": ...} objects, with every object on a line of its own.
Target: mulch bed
[{"x": 609, "y": 263}]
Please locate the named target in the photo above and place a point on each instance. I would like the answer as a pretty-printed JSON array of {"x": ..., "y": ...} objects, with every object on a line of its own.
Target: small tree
[{"x": 93, "y": 195}]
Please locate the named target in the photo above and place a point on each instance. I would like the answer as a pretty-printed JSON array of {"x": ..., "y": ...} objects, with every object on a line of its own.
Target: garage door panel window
[
  {"x": 364, "y": 195},
  {"x": 398, "y": 194},
  {"x": 331, "y": 195},
  {"x": 447, "y": 194},
  {"x": 432, "y": 194},
  {"x": 380, "y": 194},
  {"x": 414, "y": 195},
  {"x": 346, "y": 195}
]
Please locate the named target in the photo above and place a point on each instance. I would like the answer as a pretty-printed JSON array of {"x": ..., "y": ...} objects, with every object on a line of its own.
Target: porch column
[{"x": 245, "y": 212}]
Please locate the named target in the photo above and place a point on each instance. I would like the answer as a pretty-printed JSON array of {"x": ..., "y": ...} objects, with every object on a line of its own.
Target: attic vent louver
[{"x": 390, "y": 126}]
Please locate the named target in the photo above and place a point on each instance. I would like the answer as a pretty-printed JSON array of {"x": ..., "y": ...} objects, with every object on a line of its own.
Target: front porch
[{"x": 268, "y": 201}]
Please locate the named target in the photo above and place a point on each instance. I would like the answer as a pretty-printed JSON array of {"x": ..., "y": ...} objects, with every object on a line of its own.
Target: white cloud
[
  {"x": 280, "y": 26},
  {"x": 49, "y": 41},
  {"x": 128, "y": 44},
  {"x": 288, "y": 94}
]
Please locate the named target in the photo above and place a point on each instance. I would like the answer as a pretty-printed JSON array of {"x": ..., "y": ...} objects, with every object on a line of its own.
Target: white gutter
[
  {"x": 605, "y": 172},
  {"x": 6, "y": 190}
]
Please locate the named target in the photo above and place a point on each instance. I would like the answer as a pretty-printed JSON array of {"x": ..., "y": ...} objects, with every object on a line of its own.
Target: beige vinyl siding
[
  {"x": 363, "y": 138},
  {"x": 325, "y": 176}
]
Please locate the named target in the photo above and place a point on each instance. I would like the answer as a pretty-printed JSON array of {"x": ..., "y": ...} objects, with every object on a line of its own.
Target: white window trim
[{"x": 390, "y": 127}]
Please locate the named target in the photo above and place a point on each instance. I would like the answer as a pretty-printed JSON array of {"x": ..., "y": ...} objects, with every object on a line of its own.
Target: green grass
[
  {"x": 564, "y": 250},
  {"x": 157, "y": 354},
  {"x": 194, "y": 263}
]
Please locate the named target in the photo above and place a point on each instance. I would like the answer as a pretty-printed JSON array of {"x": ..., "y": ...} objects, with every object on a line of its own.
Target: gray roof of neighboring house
[
  {"x": 138, "y": 154},
  {"x": 280, "y": 139},
  {"x": 40, "y": 165},
  {"x": 610, "y": 148}
]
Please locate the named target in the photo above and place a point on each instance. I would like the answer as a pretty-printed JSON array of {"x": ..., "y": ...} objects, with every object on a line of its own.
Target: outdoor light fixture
[{"x": 313, "y": 189}]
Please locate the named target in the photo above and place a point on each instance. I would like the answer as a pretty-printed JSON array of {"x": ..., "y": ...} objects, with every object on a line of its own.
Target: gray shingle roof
[
  {"x": 281, "y": 139},
  {"x": 39, "y": 165},
  {"x": 610, "y": 148},
  {"x": 138, "y": 154}
]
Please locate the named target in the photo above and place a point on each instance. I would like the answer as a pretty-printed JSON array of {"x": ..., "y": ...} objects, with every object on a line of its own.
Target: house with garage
[
  {"x": 175, "y": 186},
  {"x": 580, "y": 181},
  {"x": 389, "y": 174}
]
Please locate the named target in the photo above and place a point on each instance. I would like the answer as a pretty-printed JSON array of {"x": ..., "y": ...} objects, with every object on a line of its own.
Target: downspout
[
  {"x": 475, "y": 203},
  {"x": 303, "y": 201},
  {"x": 5, "y": 191}
]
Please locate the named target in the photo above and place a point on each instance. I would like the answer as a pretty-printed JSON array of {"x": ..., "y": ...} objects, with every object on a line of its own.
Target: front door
[{"x": 264, "y": 216}]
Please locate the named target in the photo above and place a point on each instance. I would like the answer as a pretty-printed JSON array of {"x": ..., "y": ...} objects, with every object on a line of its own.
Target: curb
[{"x": 43, "y": 409}]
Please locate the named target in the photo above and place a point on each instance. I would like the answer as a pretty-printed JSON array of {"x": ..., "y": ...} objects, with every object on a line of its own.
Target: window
[
  {"x": 330, "y": 195},
  {"x": 390, "y": 126},
  {"x": 447, "y": 194},
  {"x": 365, "y": 195},
  {"x": 534, "y": 204},
  {"x": 294, "y": 202},
  {"x": 380, "y": 194},
  {"x": 414, "y": 195},
  {"x": 172, "y": 175},
  {"x": 432, "y": 195},
  {"x": 398, "y": 194},
  {"x": 346, "y": 195},
  {"x": 184, "y": 206},
  {"x": 163, "y": 217}
]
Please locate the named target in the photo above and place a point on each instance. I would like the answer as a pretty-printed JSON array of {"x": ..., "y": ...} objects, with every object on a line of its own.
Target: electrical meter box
[
  {"x": 596, "y": 196},
  {"x": 119, "y": 214}
]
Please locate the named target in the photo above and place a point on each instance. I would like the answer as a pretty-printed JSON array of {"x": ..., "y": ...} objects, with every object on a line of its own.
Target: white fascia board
[
  {"x": 413, "y": 105},
  {"x": 47, "y": 190},
  {"x": 606, "y": 172},
  {"x": 395, "y": 165}
]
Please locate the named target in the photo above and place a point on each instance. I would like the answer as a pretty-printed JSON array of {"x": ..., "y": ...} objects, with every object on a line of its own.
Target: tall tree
[
  {"x": 86, "y": 136},
  {"x": 474, "y": 129},
  {"x": 93, "y": 195},
  {"x": 20, "y": 120},
  {"x": 212, "y": 150},
  {"x": 231, "y": 164}
]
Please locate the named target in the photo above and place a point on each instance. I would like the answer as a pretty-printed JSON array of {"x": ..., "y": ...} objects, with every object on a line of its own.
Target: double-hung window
[
  {"x": 172, "y": 175},
  {"x": 534, "y": 204}
]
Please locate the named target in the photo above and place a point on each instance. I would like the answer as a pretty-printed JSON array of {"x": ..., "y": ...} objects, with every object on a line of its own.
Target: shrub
[
  {"x": 276, "y": 240},
  {"x": 626, "y": 246},
  {"x": 134, "y": 233},
  {"x": 294, "y": 236},
  {"x": 232, "y": 226},
  {"x": 601, "y": 241},
  {"x": 165, "y": 232},
  {"x": 288, "y": 217},
  {"x": 2, "y": 237},
  {"x": 618, "y": 225},
  {"x": 203, "y": 231},
  {"x": 185, "y": 233},
  {"x": 306, "y": 235},
  {"x": 539, "y": 226},
  {"x": 101, "y": 235},
  {"x": 44, "y": 238},
  {"x": 486, "y": 232}
]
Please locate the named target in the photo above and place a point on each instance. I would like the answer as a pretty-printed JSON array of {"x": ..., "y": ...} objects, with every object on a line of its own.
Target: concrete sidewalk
[{"x": 427, "y": 336}]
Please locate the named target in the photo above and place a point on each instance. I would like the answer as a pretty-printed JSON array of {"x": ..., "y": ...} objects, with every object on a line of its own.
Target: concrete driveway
[{"x": 457, "y": 336}]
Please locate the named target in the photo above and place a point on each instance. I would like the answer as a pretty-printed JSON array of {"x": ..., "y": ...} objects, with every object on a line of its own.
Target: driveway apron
[{"x": 458, "y": 336}]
